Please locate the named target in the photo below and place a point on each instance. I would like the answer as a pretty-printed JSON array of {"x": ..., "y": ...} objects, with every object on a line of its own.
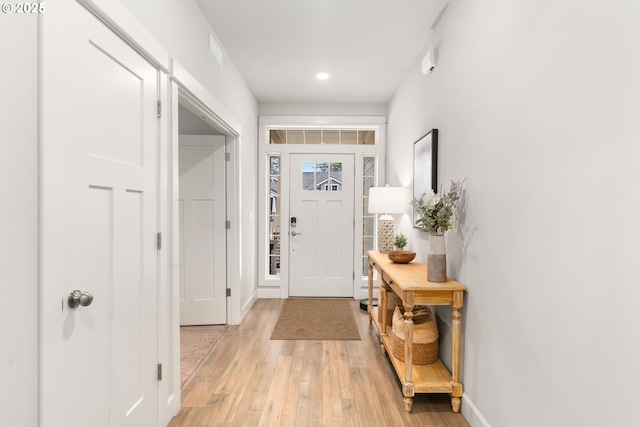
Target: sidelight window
[
  {"x": 368, "y": 219},
  {"x": 274, "y": 214}
]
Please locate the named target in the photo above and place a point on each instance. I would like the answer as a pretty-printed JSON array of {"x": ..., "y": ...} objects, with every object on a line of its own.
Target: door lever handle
[
  {"x": 294, "y": 233},
  {"x": 77, "y": 298}
]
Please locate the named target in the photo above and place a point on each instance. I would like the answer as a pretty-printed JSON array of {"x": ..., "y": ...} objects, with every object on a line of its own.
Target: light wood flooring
[{"x": 249, "y": 380}]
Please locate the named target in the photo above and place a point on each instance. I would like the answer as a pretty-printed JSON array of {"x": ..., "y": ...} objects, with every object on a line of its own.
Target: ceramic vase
[{"x": 437, "y": 259}]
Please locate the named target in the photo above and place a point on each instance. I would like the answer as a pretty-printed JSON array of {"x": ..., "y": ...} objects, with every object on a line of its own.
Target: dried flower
[{"x": 436, "y": 211}]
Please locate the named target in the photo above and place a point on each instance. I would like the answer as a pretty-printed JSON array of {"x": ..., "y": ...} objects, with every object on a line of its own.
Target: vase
[{"x": 437, "y": 259}]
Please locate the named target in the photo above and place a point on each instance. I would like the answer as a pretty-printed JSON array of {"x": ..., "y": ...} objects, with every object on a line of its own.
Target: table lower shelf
[{"x": 431, "y": 378}]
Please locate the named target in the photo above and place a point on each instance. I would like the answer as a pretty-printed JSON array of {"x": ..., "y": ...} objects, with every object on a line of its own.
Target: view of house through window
[
  {"x": 368, "y": 219},
  {"x": 321, "y": 176},
  {"x": 323, "y": 136},
  {"x": 274, "y": 214}
]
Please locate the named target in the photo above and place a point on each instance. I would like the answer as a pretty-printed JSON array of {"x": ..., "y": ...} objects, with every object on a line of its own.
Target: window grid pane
[
  {"x": 331, "y": 137},
  {"x": 368, "y": 219},
  {"x": 321, "y": 176},
  {"x": 277, "y": 136},
  {"x": 323, "y": 136},
  {"x": 274, "y": 213},
  {"x": 295, "y": 137},
  {"x": 366, "y": 137}
]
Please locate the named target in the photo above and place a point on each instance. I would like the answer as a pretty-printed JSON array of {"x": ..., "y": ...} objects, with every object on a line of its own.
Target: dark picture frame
[{"x": 425, "y": 166}]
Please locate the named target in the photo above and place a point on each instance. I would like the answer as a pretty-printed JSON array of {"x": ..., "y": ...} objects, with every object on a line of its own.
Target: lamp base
[{"x": 385, "y": 233}]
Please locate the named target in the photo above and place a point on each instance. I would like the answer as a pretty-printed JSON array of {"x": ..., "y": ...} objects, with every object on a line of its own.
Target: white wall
[
  {"x": 537, "y": 103},
  {"x": 19, "y": 221},
  {"x": 183, "y": 31}
]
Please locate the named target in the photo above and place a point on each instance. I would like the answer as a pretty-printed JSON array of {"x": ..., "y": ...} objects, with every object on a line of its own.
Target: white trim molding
[
  {"x": 123, "y": 23},
  {"x": 471, "y": 412},
  {"x": 305, "y": 121},
  {"x": 270, "y": 286}
]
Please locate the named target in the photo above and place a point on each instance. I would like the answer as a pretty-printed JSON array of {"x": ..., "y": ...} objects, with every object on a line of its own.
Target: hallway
[{"x": 249, "y": 380}]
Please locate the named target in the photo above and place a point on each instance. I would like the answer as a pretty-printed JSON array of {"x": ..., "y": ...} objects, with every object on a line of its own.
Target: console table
[{"x": 409, "y": 282}]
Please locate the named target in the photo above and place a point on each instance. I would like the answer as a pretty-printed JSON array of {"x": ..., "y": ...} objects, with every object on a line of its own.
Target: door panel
[
  {"x": 333, "y": 233},
  {"x": 99, "y": 223},
  {"x": 321, "y": 244},
  {"x": 203, "y": 299}
]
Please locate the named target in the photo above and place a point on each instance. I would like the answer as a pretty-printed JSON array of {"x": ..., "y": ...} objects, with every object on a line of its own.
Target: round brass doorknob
[{"x": 77, "y": 298}]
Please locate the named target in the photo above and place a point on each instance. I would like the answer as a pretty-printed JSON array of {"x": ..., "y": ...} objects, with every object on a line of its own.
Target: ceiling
[
  {"x": 190, "y": 124},
  {"x": 367, "y": 46}
]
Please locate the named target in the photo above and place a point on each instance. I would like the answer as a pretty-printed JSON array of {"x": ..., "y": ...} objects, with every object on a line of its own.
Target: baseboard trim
[
  {"x": 471, "y": 413},
  {"x": 269, "y": 293},
  {"x": 247, "y": 306}
]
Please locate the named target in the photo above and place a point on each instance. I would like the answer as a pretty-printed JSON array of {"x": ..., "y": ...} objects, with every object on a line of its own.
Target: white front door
[
  {"x": 321, "y": 225},
  {"x": 203, "y": 277},
  {"x": 99, "y": 212}
]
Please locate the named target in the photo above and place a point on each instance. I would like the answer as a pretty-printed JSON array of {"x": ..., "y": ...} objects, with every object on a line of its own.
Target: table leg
[
  {"x": 407, "y": 388},
  {"x": 408, "y": 403},
  {"x": 382, "y": 311},
  {"x": 370, "y": 289},
  {"x": 382, "y": 305},
  {"x": 456, "y": 337}
]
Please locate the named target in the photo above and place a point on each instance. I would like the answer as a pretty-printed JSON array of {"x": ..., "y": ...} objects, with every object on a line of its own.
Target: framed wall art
[{"x": 425, "y": 166}]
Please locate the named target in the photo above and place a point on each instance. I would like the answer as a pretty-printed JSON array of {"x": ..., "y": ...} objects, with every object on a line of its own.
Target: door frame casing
[
  {"x": 278, "y": 286},
  {"x": 193, "y": 96}
]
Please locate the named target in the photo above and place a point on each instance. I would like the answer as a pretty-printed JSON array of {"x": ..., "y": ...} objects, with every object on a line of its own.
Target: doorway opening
[
  {"x": 202, "y": 219},
  {"x": 202, "y": 188}
]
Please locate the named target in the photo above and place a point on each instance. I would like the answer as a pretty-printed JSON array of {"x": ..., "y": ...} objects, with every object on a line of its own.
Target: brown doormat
[{"x": 316, "y": 319}]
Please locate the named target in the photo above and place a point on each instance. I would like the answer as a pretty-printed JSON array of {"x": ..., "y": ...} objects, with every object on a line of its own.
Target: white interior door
[
  {"x": 99, "y": 223},
  {"x": 321, "y": 235},
  {"x": 203, "y": 277}
]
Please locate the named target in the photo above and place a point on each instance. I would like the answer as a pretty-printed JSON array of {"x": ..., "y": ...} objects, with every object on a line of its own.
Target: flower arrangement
[{"x": 436, "y": 210}]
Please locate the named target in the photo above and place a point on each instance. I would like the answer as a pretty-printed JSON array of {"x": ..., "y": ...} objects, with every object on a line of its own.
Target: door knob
[
  {"x": 77, "y": 298},
  {"x": 294, "y": 233}
]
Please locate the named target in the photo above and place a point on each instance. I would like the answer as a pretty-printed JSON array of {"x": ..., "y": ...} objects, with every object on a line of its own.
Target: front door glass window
[{"x": 321, "y": 176}]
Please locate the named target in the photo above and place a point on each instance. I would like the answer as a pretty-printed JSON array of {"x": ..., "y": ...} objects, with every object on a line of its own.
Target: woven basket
[
  {"x": 393, "y": 301},
  {"x": 425, "y": 336}
]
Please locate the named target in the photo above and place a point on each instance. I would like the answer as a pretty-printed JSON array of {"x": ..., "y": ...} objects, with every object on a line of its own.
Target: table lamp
[{"x": 386, "y": 200}]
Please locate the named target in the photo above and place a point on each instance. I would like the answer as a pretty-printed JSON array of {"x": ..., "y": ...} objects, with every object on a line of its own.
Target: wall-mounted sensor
[{"x": 429, "y": 61}]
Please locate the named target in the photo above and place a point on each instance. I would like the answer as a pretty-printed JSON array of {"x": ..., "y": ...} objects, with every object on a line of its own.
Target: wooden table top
[{"x": 412, "y": 276}]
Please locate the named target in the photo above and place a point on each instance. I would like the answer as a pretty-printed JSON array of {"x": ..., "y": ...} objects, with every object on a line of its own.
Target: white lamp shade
[{"x": 387, "y": 200}]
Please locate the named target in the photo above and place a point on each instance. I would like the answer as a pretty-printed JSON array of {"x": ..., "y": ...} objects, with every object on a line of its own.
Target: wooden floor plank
[
  {"x": 310, "y": 401},
  {"x": 275, "y": 395},
  {"x": 331, "y": 393},
  {"x": 250, "y": 380},
  {"x": 292, "y": 392}
]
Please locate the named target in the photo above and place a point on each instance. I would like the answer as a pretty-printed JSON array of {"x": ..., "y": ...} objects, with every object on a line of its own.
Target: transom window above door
[{"x": 323, "y": 136}]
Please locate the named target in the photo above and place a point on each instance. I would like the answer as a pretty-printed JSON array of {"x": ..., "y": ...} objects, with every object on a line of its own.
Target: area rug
[
  {"x": 196, "y": 342},
  {"x": 315, "y": 319}
]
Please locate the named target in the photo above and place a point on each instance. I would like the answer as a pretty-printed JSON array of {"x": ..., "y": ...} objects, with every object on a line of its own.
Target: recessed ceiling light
[{"x": 322, "y": 76}]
